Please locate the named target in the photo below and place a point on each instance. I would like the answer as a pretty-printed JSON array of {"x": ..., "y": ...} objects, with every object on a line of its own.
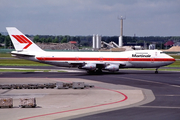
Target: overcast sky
[{"x": 87, "y": 17}]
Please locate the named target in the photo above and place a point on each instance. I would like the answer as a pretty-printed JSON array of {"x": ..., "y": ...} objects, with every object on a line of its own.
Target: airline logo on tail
[{"x": 23, "y": 39}]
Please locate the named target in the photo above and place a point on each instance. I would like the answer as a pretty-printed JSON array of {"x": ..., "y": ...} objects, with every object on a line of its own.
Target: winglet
[{"x": 20, "y": 41}]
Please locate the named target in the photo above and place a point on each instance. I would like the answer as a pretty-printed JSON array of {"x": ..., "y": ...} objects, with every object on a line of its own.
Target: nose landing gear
[{"x": 156, "y": 72}]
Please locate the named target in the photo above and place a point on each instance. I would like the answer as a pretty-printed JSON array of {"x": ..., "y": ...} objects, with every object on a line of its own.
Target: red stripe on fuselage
[{"x": 103, "y": 59}]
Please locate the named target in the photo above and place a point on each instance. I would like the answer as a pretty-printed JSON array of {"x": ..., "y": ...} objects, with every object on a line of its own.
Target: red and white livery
[{"x": 90, "y": 61}]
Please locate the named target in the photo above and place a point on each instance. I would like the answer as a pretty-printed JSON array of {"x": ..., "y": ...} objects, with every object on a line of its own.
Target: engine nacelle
[
  {"x": 89, "y": 66},
  {"x": 112, "y": 67}
]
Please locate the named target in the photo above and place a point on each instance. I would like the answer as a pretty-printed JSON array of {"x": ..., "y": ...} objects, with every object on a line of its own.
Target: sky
[{"x": 87, "y": 17}]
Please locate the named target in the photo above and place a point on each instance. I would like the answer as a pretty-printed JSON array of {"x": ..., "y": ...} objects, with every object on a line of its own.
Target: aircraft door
[
  {"x": 152, "y": 60},
  {"x": 42, "y": 58},
  {"x": 77, "y": 59},
  {"x": 129, "y": 59},
  {"x": 129, "y": 62}
]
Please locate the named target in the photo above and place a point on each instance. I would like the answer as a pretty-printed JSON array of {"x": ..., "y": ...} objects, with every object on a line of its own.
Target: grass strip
[
  {"x": 152, "y": 69},
  {"x": 175, "y": 64},
  {"x": 17, "y": 70},
  {"x": 24, "y": 64},
  {"x": 175, "y": 56},
  {"x": 20, "y": 62},
  {"x": 5, "y": 55}
]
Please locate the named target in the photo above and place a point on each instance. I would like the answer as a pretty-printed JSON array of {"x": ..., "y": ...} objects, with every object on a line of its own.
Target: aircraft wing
[{"x": 93, "y": 65}]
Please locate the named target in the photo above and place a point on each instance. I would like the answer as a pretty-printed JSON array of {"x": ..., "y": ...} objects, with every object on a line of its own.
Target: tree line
[
  {"x": 5, "y": 41},
  {"x": 86, "y": 41}
]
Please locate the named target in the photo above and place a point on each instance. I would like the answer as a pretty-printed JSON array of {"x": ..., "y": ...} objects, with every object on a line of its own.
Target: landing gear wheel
[
  {"x": 90, "y": 72},
  {"x": 99, "y": 71},
  {"x": 156, "y": 71}
]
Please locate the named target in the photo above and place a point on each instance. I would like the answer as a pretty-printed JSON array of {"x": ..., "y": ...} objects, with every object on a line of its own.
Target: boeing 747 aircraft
[{"x": 90, "y": 61}]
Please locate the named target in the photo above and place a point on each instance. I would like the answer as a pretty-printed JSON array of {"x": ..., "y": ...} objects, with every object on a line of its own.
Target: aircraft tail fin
[{"x": 20, "y": 41}]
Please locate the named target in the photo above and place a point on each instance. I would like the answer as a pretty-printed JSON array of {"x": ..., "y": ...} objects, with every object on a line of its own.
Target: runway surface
[{"x": 165, "y": 86}]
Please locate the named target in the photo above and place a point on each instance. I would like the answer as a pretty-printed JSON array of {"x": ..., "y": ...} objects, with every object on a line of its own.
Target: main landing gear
[
  {"x": 97, "y": 71},
  {"x": 156, "y": 71}
]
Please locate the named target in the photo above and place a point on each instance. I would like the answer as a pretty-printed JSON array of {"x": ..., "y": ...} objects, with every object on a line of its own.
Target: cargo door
[
  {"x": 42, "y": 58},
  {"x": 152, "y": 60}
]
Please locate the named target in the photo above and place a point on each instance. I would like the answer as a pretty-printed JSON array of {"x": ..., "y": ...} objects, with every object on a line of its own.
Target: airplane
[{"x": 89, "y": 61}]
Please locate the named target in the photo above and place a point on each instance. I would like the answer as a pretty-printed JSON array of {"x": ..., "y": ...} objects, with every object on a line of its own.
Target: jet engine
[
  {"x": 112, "y": 67},
  {"x": 89, "y": 66}
]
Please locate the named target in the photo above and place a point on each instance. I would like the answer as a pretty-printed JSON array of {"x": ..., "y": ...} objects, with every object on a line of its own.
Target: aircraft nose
[{"x": 172, "y": 60}]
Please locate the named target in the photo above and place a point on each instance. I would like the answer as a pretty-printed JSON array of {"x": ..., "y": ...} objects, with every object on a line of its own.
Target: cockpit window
[{"x": 161, "y": 52}]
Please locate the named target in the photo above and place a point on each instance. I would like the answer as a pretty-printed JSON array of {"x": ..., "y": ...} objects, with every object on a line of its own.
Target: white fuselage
[{"x": 127, "y": 59}]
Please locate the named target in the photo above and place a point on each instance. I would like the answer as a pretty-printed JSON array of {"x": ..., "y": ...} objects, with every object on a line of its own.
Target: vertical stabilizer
[{"x": 20, "y": 41}]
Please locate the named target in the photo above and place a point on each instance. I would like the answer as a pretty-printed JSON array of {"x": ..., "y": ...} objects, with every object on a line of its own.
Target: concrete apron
[{"x": 70, "y": 103}]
